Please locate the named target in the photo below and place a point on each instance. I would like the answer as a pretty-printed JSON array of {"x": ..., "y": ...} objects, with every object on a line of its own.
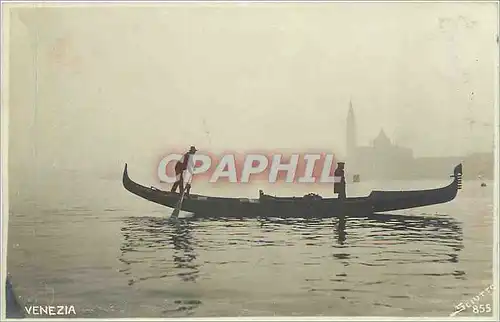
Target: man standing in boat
[
  {"x": 339, "y": 184},
  {"x": 185, "y": 163}
]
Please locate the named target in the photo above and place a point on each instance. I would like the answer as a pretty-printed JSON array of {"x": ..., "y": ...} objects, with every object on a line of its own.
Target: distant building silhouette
[
  {"x": 383, "y": 160},
  {"x": 378, "y": 160}
]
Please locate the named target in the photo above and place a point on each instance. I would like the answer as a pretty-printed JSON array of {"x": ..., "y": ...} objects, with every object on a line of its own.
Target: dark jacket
[
  {"x": 340, "y": 173},
  {"x": 339, "y": 186},
  {"x": 181, "y": 165}
]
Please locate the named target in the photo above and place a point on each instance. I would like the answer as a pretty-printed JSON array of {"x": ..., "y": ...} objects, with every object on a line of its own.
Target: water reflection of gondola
[
  {"x": 442, "y": 230},
  {"x": 158, "y": 252},
  {"x": 401, "y": 238},
  {"x": 171, "y": 244},
  {"x": 404, "y": 227},
  {"x": 341, "y": 234},
  {"x": 184, "y": 252},
  {"x": 407, "y": 239}
]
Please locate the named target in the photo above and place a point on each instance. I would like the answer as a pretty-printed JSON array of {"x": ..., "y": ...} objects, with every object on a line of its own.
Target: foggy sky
[{"x": 121, "y": 84}]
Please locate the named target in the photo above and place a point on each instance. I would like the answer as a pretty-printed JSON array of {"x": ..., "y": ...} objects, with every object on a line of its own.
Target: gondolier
[
  {"x": 339, "y": 184},
  {"x": 185, "y": 163}
]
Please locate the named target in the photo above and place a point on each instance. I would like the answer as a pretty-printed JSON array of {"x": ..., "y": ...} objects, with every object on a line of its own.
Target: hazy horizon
[{"x": 126, "y": 84}]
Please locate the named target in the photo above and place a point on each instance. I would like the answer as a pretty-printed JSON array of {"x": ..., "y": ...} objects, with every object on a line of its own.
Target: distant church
[{"x": 381, "y": 160}]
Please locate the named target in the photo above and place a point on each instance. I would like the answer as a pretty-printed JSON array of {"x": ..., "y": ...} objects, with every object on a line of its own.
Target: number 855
[{"x": 481, "y": 308}]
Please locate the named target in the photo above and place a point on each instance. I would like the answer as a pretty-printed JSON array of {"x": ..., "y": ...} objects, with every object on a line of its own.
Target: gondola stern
[{"x": 457, "y": 175}]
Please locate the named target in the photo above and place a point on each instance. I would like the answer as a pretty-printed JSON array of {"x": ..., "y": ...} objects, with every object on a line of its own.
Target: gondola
[{"x": 308, "y": 206}]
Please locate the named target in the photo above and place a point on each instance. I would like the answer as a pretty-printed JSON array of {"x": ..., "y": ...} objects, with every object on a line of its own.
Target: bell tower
[{"x": 351, "y": 140}]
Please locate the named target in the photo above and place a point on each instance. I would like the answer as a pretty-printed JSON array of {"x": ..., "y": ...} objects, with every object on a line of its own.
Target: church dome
[{"x": 382, "y": 139}]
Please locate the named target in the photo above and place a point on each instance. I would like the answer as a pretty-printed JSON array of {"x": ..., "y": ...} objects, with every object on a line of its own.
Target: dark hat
[
  {"x": 192, "y": 149},
  {"x": 340, "y": 162}
]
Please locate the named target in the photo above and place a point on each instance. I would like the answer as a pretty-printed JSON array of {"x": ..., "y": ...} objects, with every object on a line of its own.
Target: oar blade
[
  {"x": 177, "y": 210},
  {"x": 175, "y": 213}
]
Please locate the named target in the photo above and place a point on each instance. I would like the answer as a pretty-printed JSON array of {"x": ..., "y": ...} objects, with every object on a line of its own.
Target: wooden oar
[{"x": 177, "y": 210}]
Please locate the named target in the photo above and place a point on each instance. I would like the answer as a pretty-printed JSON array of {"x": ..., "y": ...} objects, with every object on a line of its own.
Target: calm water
[{"x": 91, "y": 244}]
